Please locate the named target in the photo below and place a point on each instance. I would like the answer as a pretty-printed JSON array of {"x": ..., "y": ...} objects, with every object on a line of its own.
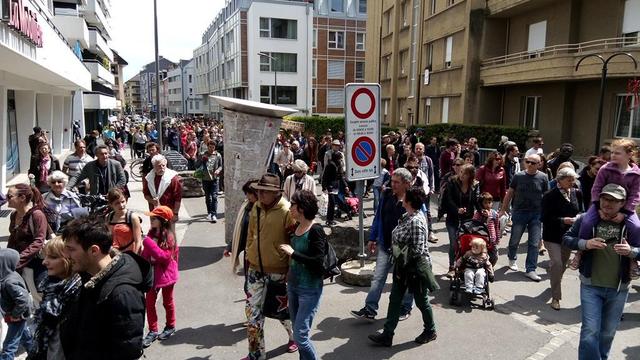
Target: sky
[{"x": 181, "y": 24}]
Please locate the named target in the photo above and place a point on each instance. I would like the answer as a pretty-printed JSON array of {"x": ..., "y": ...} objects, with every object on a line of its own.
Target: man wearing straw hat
[
  {"x": 300, "y": 180},
  {"x": 270, "y": 224}
]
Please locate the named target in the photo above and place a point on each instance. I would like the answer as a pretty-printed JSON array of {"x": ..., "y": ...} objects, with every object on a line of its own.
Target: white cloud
[{"x": 181, "y": 24}]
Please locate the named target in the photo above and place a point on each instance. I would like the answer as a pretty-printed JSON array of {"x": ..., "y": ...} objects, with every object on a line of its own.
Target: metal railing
[{"x": 631, "y": 43}]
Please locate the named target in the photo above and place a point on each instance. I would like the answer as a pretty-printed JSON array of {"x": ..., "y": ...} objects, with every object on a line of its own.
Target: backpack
[
  {"x": 330, "y": 263},
  {"x": 128, "y": 221}
]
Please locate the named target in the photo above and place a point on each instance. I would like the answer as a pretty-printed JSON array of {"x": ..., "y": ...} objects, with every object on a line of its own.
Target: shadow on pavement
[
  {"x": 527, "y": 306},
  {"x": 632, "y": 352},
  {"x": 333, "y": 327},
  {"x": 208, "y": 336},
  {"x": 193, "y": 257}
]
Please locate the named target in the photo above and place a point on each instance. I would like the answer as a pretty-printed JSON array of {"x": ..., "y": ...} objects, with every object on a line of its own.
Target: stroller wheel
[{"x": 489, "y": 304}]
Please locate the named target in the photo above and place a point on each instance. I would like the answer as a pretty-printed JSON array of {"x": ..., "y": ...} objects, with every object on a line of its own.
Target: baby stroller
[{"x": 468, "y": 231}]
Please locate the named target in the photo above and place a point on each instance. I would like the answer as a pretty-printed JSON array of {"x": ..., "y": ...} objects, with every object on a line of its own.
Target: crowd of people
[{"x": 80, "y": 271}]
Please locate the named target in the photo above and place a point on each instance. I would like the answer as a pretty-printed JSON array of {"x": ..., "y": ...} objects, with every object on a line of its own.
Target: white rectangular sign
[{"x": 362, "y": 135}]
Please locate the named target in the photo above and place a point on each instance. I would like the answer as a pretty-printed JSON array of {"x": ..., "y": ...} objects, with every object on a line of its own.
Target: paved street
[{"x": 210, "y": 310}]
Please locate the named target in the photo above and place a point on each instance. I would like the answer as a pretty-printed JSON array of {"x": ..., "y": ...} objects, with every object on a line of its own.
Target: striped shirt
[{"x": 75, "y": 163}]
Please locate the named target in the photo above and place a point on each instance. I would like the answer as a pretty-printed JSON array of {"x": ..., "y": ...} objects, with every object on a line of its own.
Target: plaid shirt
[{"x": 412, "y": 231}]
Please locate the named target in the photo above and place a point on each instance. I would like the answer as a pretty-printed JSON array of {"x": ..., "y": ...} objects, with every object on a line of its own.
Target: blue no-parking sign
[{"x": 362, "y": 135}]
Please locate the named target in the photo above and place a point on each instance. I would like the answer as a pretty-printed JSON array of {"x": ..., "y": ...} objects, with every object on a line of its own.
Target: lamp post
[
  {"x": 275, "y": 73},
  {"x": 603, "y": 80},
  {"x": 155, "y": 32}
]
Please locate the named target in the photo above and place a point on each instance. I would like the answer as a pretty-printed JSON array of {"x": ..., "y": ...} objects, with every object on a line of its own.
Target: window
[
  {"x": 313, "y": 98},
  {"x": 335, "y": 69},
  {"x": 360, "y": 39},
  {"x": 335, "y": 98},
  {"x": 314, "y": 68},
  {"x": 336, "y": 39},
  {"x": 190, "y": 78},
  {"x": 450, "y": 2},
  {"x": 401, "y": 62},
  {"x": 337, "y": 5},
  {"x": 401, "y": 105},
  {"x": 386, "y": 23},
  {"x": 359, "y": 70},
  {"x": 627, "y": 117},
  {"x": 385, "y": 106},
  {"x": 362, "y": 7},
  {"x": 429, "y": 56},
  {"x": 280, "y": 62},
  {"x": 278, "y": 28},
  {"x": 405, "y": 13},
  {"x": 531, "y": 111},
  {"x": 386, "y": 64},
  {"x": 537, "y": 37},
  {"x": 631, "y": 23},
  {"x": 314, "y": 42},
  {"x": 445, "y": 110},
  {"x": 432, "y": 8},
  {"x": 191, "y": 105},
  {"x": 287, "y": 95},
  {"x": 197, "y": 105},
  {"x": 448, "y": 51},
  {"x": 427, "y": 111}
]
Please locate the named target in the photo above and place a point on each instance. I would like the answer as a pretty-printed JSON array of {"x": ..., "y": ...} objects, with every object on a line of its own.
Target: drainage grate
[{"x": 5, "y": 213}]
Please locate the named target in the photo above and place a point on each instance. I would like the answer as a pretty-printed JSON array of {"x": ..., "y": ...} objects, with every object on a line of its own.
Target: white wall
[
  {"x": 26, "y": 120},
  {"x": 303, "y": 13},
  {"x": 3, "y": 138}
]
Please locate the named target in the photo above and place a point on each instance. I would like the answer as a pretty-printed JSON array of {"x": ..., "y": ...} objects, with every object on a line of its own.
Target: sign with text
[
  {"x": 362, "y": 135},
  {"x": 22, "y": 20}
]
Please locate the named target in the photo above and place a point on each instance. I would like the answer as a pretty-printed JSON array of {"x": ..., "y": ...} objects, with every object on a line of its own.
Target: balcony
[
  {"x": 98, "y": 101},
  {"x": 99, "y": 73},
  {"x": 98, "y": 44},
  {"x": 558, "y": 62},
  {"x": 73, "y": 27},
  {"x": 507, "y": 8},
  {"x": 94, "y": 15}
]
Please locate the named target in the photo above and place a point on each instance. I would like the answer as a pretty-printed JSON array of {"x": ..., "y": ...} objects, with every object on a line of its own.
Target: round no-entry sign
[
  {"x": 363, "y": 151},
  {"x": 370, "y": 104}
]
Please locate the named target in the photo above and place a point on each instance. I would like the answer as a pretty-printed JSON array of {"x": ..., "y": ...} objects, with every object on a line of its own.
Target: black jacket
[
  {"x": 332, "y": 179},
  {"x": 34, "y": 167},
  {"x": 313, "y": 259},
  {"x": 107, "y": 320},
  {"x": 554, "y": 208},
  {"x": 115, "y": 176},
  {"x": 454, "y": 199}
]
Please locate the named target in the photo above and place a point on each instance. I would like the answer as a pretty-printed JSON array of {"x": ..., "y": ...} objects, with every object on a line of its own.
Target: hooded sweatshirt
[
  {"x": 14, "y": 296},
  {"x": 630, "y": 180}
]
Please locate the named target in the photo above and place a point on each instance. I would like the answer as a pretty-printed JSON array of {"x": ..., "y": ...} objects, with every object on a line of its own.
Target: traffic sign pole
[{"x": 360, "y": 189}]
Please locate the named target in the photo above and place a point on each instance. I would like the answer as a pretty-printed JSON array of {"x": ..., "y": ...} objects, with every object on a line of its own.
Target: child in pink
[
  {"x": 490, "y": 217},
  {"x": 161, "y": 250}
]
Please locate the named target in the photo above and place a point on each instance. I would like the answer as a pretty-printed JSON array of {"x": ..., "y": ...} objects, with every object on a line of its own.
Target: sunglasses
[{"x": 531, "y": 162}]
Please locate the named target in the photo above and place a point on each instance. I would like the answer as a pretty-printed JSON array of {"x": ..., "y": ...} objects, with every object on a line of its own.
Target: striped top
[{"x": 75, "y": 163}]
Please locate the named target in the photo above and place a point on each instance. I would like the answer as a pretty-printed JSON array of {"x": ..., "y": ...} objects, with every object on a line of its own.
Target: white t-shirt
[{"x": 533, "y": 151}]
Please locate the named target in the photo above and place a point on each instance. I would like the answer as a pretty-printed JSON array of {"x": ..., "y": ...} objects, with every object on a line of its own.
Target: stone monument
[{"x": 250, "y": 130}]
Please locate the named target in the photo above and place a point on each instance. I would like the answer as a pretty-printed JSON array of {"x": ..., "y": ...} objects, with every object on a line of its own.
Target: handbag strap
[{"x": 258, "y": 233}]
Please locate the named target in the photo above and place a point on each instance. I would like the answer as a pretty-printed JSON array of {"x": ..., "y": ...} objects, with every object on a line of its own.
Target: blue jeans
[
  {"x": 17, "y": 333},
  {"x": 601, "y": 312},
  {"x": 303, "y": 306},
  {"x": 376, "y": 197},
  {"x": 452, "y": 229},
  {"x": 210, "y": 188},
  {"x": 531, "y": 221},
  {"x": 383, "y": 266}
]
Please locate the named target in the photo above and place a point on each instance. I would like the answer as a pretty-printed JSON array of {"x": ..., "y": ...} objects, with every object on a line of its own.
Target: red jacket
[
  {"x": 495, "y": 183},
  {"x": 171, "y": 197}
]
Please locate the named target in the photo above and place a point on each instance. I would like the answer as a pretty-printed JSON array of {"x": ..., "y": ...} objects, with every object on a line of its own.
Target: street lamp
[
  {"x": 603, "y": 80},
  {"x": 275, "y": 73},
  {"x": 155, "y": 32}
]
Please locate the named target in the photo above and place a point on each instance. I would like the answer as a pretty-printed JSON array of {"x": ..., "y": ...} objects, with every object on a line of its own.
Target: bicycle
[{"x": 136, "y": 169}]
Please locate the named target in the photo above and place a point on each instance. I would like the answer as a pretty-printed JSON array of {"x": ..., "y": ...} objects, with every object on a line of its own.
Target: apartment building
[
  {"x": 40, "y": 74},
  {"x": 181, "y": 82},
  {"x": 117, "y": 69},
  {"x": 339, "y": 39},
  {"x": 508, "y": 62},
  {"x": 132, "y": 103},
  {"x": 148, "y": 84}
]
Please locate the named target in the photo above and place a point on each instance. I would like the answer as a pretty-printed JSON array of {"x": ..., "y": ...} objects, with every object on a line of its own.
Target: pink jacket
[{"x": 164, "y": 261}]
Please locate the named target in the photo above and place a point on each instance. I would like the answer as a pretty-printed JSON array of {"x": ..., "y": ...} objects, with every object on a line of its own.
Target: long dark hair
[{"x": 163, "y": 236}]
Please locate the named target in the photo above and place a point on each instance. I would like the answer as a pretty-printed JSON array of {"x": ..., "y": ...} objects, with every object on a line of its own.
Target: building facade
[
  {"x": 132, "y": 101},
  {"x": 509, "y": 62},
  {"x": 182, "y": 98},
  {"x": 148, "y": 83},
  {"x": 117, "y": 69},
  {"x": 40, "y": 73}
]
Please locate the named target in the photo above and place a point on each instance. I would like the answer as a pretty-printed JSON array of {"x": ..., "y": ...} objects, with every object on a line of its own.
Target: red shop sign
[{"x": 23, "y": 20}]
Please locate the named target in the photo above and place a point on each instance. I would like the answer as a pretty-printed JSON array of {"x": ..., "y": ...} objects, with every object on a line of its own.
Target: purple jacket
[
  {"x": 164, "y": 261},
  {"x": 610, "y": 174},
  {"x": 591, "y": 219}
]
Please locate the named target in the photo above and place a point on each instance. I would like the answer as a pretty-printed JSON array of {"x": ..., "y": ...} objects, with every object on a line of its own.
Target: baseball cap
[
  {"x": 162, "y": 211},
  {"x": 614, "y": 190}
]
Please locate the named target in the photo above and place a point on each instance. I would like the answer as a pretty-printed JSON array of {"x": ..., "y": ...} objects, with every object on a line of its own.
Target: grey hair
[
  {"x": 566, "y": 173},
  {"x": 156, "y": 159},
  {"x": 403, "y": 174},
  {"x": 58, "y": 175}
]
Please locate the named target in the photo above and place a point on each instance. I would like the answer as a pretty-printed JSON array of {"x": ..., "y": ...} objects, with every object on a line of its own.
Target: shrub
[
  {"x": 318, "y": 125},
  {"x": 488, "y": 135}
]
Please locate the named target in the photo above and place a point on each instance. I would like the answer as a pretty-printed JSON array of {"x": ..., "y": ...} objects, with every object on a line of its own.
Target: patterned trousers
[{"x": 253, "y": 310}]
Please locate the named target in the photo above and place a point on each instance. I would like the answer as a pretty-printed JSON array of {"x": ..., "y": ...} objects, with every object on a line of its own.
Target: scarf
[
  {"x": 165, "y": 181},
  {"x": 45, "y": 165}
]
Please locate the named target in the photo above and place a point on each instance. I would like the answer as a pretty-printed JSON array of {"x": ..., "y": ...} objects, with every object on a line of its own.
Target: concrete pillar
[
  {"x": 44, "y": 111},
  {"x": 57, "y": 124},
  {"x": 67, "y": 128},
  {"x": 78, "y": 111},
  {"x": 247, "y": 146},
  {"x": 26, "y": 120},
  {"x": 3, "y": 138}
]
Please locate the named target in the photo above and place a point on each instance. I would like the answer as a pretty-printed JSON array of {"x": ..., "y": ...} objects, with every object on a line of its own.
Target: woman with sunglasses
[{"x": 61, "y": 201}]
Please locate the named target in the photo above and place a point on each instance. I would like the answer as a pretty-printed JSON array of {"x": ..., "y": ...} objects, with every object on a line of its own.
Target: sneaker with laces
[
  {"x": 166, "y": 333},
  {"x": 512, "y": 265},
  {"x": 404, "y": 316},
  {"x": 292, "y": 346},
  {"x": 432, "y": 238},
  {"x": 214, "y": 219},
  {"x": 149, "y": 339},
  {"x": 363, "y": 314},
  {"x": 533, "y": 276}
]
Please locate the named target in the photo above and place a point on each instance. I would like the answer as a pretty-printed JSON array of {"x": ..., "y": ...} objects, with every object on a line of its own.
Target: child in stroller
[{"x": 473, "y": 267}]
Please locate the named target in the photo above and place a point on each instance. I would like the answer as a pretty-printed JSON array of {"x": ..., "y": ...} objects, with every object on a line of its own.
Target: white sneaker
[
  {"x": 533, "y": 276},
  {"x": 214, "y": 219},
  {"x": 512, "y": 265},
  {"x": 208, "y": 217}
]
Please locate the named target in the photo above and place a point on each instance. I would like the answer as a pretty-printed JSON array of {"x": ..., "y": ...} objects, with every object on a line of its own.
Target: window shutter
[
  {"x": 631, "y": 22},
  {"x": 335, "y": 98},
  {"x": 537, "y": 36},
  {"x": 335, "y": 70}
]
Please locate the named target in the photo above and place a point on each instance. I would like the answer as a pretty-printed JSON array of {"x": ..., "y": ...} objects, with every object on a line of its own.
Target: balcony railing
[{"x": 621, "y": 43}]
